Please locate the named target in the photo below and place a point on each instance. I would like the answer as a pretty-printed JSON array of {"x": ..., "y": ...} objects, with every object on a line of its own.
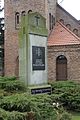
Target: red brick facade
[
  {"x": 62, "y": 44},
  {"x": 65, "y": 45},
  {"x": 72, "y": 54},
  {"x": 44, "y": 7}
]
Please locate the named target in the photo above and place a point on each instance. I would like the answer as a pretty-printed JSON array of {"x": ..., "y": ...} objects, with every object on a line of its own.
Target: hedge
[
  {"x": 67, "y": 93},
  {"x": 17, "y": 104}
]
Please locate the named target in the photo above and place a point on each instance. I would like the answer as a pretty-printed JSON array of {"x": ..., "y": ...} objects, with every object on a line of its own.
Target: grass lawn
[{"x": 75, "y": 116}]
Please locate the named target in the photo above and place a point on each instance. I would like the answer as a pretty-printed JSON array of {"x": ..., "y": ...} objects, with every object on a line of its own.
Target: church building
[{"x": 63, "y": 38}]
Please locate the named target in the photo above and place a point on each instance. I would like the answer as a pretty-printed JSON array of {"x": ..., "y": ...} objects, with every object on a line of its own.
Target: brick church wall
[
  {"x": 11, "y": 34},
  {"x": 72, "y": 53}
]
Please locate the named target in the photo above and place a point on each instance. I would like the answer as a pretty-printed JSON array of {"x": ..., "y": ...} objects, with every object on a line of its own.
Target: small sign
[
  {"x": 41, "y": 90},
  {"x": 38, "y": 58}
]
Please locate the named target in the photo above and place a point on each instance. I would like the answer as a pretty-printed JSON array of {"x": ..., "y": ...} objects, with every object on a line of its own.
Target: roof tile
[{"x": 61, "y": 35}]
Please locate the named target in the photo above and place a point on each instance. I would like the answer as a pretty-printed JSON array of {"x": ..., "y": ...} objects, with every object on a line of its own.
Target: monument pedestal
[{"x": 41, "y": 89}]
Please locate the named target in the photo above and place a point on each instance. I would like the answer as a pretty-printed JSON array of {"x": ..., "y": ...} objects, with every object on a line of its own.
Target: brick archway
[{"x": 61, "y": 68}]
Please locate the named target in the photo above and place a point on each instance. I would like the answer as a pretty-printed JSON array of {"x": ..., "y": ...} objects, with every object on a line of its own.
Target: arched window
[
  {"x": 29, "y": 11},
  {"x": 23, "y": 13},
  {"x": 68, "y": 26},
  {"x": 53, "y": 21},
  {"x": 75, "y": 31},
  {"x": 17, "y": 20},
  {"x": 50, "y": 21},
  {"x": 61, "y": 68},
  {"x": 62, "y": 21}
]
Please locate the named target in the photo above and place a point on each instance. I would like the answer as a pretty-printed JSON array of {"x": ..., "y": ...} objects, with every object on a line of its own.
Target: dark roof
[{"x": 68, "y": 13}]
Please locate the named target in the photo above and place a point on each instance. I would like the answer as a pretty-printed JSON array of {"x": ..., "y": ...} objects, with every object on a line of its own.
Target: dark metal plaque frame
[
  {"x": 38, "y": 58},
  {"x": 41, "y": 90}
]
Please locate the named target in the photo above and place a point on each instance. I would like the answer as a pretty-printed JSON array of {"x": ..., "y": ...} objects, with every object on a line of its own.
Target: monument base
[{"x": 40, "y": 89}]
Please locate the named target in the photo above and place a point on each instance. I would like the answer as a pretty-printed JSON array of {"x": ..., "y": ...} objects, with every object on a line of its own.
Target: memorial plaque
[
  {"x": 38, "y": 58},
  {"x": 41, "y": 90}
]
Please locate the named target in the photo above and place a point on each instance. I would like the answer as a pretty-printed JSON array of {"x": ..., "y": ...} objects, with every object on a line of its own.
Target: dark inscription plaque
[
  {"x": 41, "y": 90},
  {"x": 38, "y": 58}
]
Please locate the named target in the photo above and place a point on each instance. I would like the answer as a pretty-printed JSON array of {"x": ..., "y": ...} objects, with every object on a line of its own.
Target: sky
[
  {"x": 2, "y": 5},
  {"x": 72, "y": 6}
]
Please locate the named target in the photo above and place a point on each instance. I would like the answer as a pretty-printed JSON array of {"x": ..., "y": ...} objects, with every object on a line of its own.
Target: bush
[
  {"x": 71, "y": 101},
  {"x": 67, "y": 93},
  {"x": 17, "y": 105},
  {"x": 23, "y": 102},
  {"x": 39, "y": 106},
  {"x": 7, "y": 78},
  {"x": 64, "y": 86},
  {"x": 11, "y": 84},
  {"x": 5, "y": 115},
  {"x": 65, "y": 116}
]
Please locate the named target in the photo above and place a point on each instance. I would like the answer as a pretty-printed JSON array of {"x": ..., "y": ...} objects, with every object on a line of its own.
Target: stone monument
[{"x": 33, "y": 53}]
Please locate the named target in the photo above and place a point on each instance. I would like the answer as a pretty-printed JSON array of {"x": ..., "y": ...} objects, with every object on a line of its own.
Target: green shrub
[
  {"x": 3, "y": 93},
  {"x": 64, "y": 86},
  {"x": 15, "y": 86},
  {"x": 23, "y": 102},
  {"x": 17, "y": 105},
  {"x": 11, "y": 84},
  {"x": 5, "y": 115},
  {"x": 65, "y": 116},
  {"x": 67, "y": 93},
  {"x": 71, "y": 101},
  {"x": 7, "y": 78},
  {"x": 40, "y": 105}
]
